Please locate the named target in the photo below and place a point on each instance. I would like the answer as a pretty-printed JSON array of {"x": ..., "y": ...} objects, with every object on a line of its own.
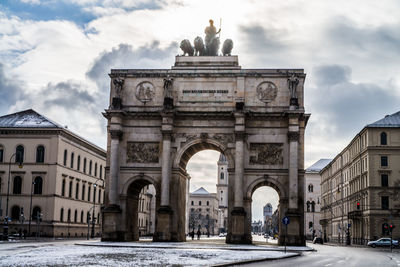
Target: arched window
[
  {"x": 88, "y": 194},
  {"x": 87, "y": 217},
  {"x": 17, "y": 187},
  {"x": 95, "y": 169},
  {"x": 310, "y": 188},
  {"x": 38, "y": 186},
  {"x": 40, "y": 154},
  {"x": 1, "y": 153},
  {"x": 15, "y": 213},
  {"x": 101, "y": 172},
  {"x": 308, "y": 206},
  {"x": 65, "y": 157},
  {"x": 72, "y": 160},
  {"x": 82, "y": 216},
  {"x": 310, "y": 224},
  {"x": 76, "y": 216},
  {"x": 19, "y": 154},
  {"x": 62, "y": 215},
  {"x": 313, "y": 206},
  {"x": 99, "y": 195},
  {"x": 69, "y": 215},
  {"x": 79, "y": 163},
  {"x": 84, "y": 165},
  {"x": 192, "y": 202},
  {"x": 77, "y": 190},
  {"x": 383, "y": 138},
  {"x": 222, "y": 176},
  {"x": 63, "y": 187},
  {"x": 94, "y": 194},
  {"x": 83, "y": 192},
  {"x": 35, "y": 213},
  {"x": 199, "y": 203},
  {"x": 90, "y": 167},
  {"x": 208, "y": 203},
  {"x": 70, "y": 189}
]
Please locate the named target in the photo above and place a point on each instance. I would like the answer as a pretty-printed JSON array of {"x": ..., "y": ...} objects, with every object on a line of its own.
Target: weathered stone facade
[{"x": 249, "y": 115}]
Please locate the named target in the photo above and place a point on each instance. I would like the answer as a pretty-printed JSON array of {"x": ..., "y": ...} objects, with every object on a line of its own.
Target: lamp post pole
[
  {"x": 30, "y": 210},
  {"x": 94, "y": 207},
  {"x": 5, "y": 229}
]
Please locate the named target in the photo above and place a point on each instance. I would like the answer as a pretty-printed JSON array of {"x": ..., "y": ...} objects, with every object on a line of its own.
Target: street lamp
[
  {"x": 5, "y": 230},
  {"x": 94, "y": 207},
  {"x": 30, "y": 209}
]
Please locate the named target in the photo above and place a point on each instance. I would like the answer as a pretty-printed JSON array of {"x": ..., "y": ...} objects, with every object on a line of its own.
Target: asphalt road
[{"x": 331, "y": 256}]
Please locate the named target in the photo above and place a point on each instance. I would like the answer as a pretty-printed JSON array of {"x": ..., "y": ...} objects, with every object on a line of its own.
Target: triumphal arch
[{"x": 159, "y": 118}]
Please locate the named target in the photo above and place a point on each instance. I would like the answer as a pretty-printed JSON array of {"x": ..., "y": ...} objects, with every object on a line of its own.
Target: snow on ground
[{"x": 76, "y": 255}]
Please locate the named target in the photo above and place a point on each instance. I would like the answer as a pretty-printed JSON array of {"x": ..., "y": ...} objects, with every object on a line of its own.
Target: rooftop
[
  {"x": 318, "y": 166},
  {"x": 201, "y": 191},
  {"x": 27, "y": 119},
  {"x": 388, "y": 121}
]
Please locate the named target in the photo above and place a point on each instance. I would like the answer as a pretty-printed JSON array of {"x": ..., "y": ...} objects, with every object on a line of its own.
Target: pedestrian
[
  {"x": 198, "y": 234},
  {"x": 192, "y": 234}
]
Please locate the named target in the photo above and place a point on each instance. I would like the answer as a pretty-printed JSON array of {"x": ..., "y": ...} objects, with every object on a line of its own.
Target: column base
[
  {"x": 237, "y": 234},
  {"x": 111, "y": 221},
  {"x": 295, "y": 235},
  {"x": 164, "y": 218}
]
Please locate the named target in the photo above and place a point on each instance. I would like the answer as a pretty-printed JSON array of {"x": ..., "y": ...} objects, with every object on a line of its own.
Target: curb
[{"x": 255, "y": 260}]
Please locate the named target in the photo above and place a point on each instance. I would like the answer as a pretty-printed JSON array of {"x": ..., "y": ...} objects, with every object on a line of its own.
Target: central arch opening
[{"x": 207, "y": 205}]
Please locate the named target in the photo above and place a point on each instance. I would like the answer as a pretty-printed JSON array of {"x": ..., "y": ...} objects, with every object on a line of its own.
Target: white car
[{"x": 383, "y": 242}]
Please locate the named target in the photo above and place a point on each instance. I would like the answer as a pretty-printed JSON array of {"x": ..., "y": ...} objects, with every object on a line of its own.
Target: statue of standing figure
[
  {"x": 211, "y": 40},
  {"x": 293, "y": 81}
]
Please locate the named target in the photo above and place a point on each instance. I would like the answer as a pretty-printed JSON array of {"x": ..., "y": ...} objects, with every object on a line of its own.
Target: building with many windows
[
  {"x": 51, "y": 180},
  {"x": 312, "y": 203},
  {"x": 360, "y": 187},
  {"x": 147, "y": 210}
]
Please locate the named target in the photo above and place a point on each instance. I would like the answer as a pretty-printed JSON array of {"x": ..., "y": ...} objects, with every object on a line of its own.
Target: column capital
[
  {"x": 116, "y": 134},
  {"x": 293, "y": 136}
]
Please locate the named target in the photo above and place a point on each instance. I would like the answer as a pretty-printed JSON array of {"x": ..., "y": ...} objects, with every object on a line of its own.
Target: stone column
[
  {"x": 293, "y": 137},
  {"x": 166, "y": 169},
  {"x": 239, "y": 168},
  {"x": 114, "y": 167}
]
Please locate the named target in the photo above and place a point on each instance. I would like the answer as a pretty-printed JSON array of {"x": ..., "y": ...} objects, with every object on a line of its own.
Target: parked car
[
  {"x": 318, "y": 240},
  {"x": 383, "y": 242}
]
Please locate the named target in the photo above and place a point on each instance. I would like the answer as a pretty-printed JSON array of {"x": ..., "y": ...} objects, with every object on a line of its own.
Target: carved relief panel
[
  {"x": 266, "y": 154},
  {"x": 142, "y": 152}
]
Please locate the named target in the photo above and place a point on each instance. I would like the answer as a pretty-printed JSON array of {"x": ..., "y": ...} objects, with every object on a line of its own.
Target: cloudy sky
[{"x": 55, "y": 56}]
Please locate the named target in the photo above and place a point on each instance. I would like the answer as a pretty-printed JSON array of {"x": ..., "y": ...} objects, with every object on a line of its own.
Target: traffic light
[
  {"x": 391, "y": 227},
  {"x": 358, "y": 205}
]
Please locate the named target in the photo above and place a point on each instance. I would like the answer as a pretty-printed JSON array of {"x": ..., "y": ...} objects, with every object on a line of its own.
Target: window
[
  {"x": 69, "y": 216},
  {"x": 313, "y": 206},
  {"x": 77, "y": 190},
  {"x": 15, "y": 212},
  {"x": 36, "y": 213},
  {"x": 40, "y": 154},
  {"x": 76, "y": 216},
  {"x": 88, "y": 195},
  {"x": 383, "y": 138},
  {"x": 84, "y": 165},
  {"x": 94, "y": 194},
  {"x": 19, "y": 154},
  {"x": 384, "y": 161},
  {"x": 222, "y": 176},
  {"x": 192, "y": 202},
  {"x": 95, "y": 169},
  {"x": 199, "y": 203},
  {"x": 99, "y": 195},
  {"x": 63, "y": 187},
  {"x": 101, "y": 172},
  {"x": 208, "y": 203},
  {"x": 310, "y": 188},
  {"x": 38, "y": 186},
  {"x": 385, "y": 202},
  {"x": 79, "y": 163},
  {"x": 62, "y": 215},
  {"x": 83, "y": 192},
  {"x": 310, "y": 225},
  {"x": 87, "y": 217},
  {"x": 90, "y": 168},
  {"x": 70, "y": 189},
  {"x": 72, "y": 160},
  {"x": 65, "y": 157},
  {"x": 1, "y": 153},
  {"x": 17, "y": 185},
  {"x": 384, "y": 180},
  {"x": 82, "y": 216},
  {"x": 308, "y": 206}
]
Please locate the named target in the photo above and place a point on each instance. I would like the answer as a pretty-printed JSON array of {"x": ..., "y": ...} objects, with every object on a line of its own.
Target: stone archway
[{"x": 158, "y": 119}]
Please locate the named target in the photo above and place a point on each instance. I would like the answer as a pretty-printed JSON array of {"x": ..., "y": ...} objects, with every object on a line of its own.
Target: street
[{"x": 331, "y": 256}]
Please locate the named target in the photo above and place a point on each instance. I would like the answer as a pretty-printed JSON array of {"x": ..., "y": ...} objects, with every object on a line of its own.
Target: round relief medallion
[
  {"x": 267, "y": 91},
  {"x": 145, "y": 92}
]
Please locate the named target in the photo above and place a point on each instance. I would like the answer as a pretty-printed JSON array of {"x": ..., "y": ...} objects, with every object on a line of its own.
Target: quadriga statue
[
  {"x": 227, "y": 47},
  {"x": 199, "y": 48},
  {"x": 186, "y": 47}
]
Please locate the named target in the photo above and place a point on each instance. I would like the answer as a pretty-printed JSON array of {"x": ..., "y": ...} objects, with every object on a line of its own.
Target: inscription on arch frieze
[
  {"x": 138, "y": 152},
  {"x": 266, "y": 154},
  {"x": 223, "y": 138},
  {"x": 267, "y": 91}
]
